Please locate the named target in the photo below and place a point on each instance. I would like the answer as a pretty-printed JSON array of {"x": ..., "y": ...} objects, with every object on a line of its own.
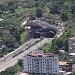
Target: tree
[
  {"x": 58, "y": 42},
  {"x": 37, "y": 4},
  {"x": 1, "y": 12},
  {"x": 9, "y": 41},
  {"x": 16, "y": 33},
  {"x": 72, "y": 9},
  {"x": 39, "y": 12},
  {"x": 12, "y": 6},
  {"x": 55, "y": 9},
  {"x": 61, "y": 43},
  {"x": 69, "y": 33},
  {"x": 64, "y": 17},
  {"x": 20, "y": 61},
  {"x": 73, "y": 73},
  {"x": 4, "y": 7},
  {"x": 54, "y": 49}
]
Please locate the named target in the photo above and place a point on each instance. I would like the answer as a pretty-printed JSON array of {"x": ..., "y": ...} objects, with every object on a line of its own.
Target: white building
[
  {"x": 21, "y": 73},
  {"x": 72, "y": 45},
  {"x": 71, "y": 56},
  {"x": 41, "y": 64},
  {"x": 73, "y": 68}
]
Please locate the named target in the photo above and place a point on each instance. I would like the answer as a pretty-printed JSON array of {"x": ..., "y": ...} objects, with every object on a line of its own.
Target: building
[
  {"x": 61, "y": 52},
  {"x": 65, "y": 66},
  {"x": 73, "y": 68},
  {"x": 62, "y": 72},
  {"x": 65, "y": 73},
  {"x": 2, "y": 46},
  {"x": 1, "y": 19},
  {"x": 71, "y": 56},
  {"x": 71, "y": 45},
  {"x": 21, "y": 73},
  {"x": 41, "y": 64},
  {"x": 1, "y": 28},
  {"x": 4, "y": 30}
]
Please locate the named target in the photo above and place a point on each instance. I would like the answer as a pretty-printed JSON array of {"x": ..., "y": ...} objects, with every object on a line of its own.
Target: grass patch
[
  {"x": 23, "y": 37},
  {"x": 12, "y": 70},
  {"x": 46, "y": 47},
  {"x": 21, "y": 10},
  {"x": 24, "y": 10},
  {"x": 16, "y": 68}
]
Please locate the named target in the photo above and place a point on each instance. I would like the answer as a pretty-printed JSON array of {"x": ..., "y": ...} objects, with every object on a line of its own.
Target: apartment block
[
  {"x": 71, "y": 45},
  {"x": 41, "y": 64}
]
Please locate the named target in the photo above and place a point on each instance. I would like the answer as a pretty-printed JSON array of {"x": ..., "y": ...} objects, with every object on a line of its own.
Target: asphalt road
[
  {"x": 19, "y": 50},
  {"x": 9, "y": 63}
]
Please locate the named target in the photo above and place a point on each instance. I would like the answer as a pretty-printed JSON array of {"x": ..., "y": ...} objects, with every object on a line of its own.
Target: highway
[
  {"x": 19, "y": 50},
  {"x": 12, "y": 58},
  {"x": 9, "y": 63}
]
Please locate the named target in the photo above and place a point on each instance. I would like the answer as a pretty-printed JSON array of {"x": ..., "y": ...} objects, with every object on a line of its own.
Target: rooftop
[
  {"x": 1, "y": 27},
  {"x": 23, "y": 74},
  {"x": 36, "y": 55},
  {"x": 1, "y": 19},
  {"x": 40, "y": 23},
  {"x": 63, "y": 63},
  {"x": 42, "y": 55},
  {"x": 72, "y": 38},
  {"x": 72, "y": 54},
  {"x": 63, "y": 51}
]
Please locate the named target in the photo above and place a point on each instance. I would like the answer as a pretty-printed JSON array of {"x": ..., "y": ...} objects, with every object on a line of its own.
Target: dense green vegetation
[
  {"x": 14, "y": 11},
  {"x": 12, "y": 22},
  {"x": 23, "y": 37},
  {"x": 46, "y": 48},
  {"x": 73, "y": 73},
  {"x": 57, "y": 44},
  {"x": 13, "y": 70}
]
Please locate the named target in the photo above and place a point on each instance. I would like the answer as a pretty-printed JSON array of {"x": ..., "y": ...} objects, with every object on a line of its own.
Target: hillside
[{"x": 14, "y": 12}]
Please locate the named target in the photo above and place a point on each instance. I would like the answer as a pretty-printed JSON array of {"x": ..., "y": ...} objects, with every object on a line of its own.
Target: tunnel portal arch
[{"x": 41, "y": 29}]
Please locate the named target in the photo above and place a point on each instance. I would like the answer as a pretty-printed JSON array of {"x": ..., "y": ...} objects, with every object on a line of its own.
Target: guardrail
[{"x": 19, "y": 50}]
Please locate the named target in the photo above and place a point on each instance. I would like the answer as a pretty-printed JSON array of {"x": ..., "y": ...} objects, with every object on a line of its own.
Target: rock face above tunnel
[{"x": 39, "y": 28}]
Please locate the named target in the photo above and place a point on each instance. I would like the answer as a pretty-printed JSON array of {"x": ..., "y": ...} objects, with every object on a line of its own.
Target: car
[{"x": 3, "y": 59}]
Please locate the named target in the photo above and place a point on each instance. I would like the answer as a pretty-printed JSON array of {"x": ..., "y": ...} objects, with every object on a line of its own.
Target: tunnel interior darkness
[
  {"x": 47, "y": 35},
  {"x": 50, "y": 34},
  {"x": 40, "y": 28},
  {"x": 37, "y": 32}
]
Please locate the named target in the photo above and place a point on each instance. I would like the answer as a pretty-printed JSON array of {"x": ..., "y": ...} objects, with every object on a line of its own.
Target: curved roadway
[{"x": 9, "y": 60}]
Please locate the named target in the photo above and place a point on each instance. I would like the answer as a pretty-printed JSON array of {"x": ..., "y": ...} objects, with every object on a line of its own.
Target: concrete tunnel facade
[{"x": 40, "y": 29}]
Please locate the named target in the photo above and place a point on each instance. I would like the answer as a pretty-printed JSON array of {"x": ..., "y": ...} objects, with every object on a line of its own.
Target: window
[{"x": 30, "y": 64}]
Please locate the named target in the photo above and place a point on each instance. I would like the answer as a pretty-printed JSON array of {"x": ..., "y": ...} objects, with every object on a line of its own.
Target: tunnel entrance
[
  {"x": 42, "y": 33},
  {"x": 50, "y": 34},
  {"x": 36, "y": 35},
  {"x": 39, "y": 28}
]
